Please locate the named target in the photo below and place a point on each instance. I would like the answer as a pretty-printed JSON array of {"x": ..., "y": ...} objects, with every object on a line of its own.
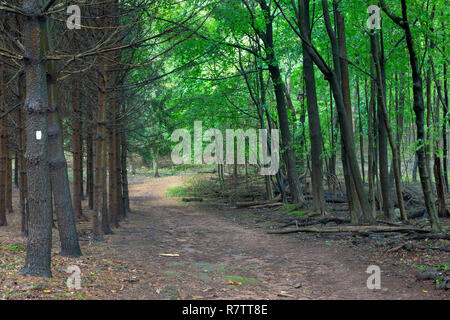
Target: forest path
[{"x": 220, "y": 259}]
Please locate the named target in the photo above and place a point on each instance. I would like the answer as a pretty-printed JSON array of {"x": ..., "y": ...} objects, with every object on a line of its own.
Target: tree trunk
[
  {"x": 76, "y": 149},
  {"x": 286, "y": 143},
  {"x": 8, "y": 184},
  {"x": 90, "y": 167},
  {"x": 22, "y": 164},
  {"x": 370, "y": 143},
  {"x": 39, "y": 244},
  {"x": 105, "y": 210},
  {"x": 99, "y": 168},
  {"x": 419, "y": 108},
  {"x": 333, "y": 130},
  {"x": 354, "y": 205},
  {"x": 437, "y": 168},
  {"x": 124, "y": 155},
  {"x": 9, "y": 206},
  {"x": 3, "y": 145}
]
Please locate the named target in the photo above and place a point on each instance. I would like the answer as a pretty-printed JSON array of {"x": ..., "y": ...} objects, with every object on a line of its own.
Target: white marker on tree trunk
[{"x": 38, "y": 135}]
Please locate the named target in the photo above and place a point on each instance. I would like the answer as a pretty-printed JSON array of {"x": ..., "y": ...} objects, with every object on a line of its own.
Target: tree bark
[
  {"x": 124, "y": 155},
  {"x": 112, "y": 166},
  {"x": 387, "y": 130},
  {"x": 9, "y": 205},
  {"x": 354, "y": 205},
  {"x": 68, "y": 235},
  {"x": 23, "y": 204},
  {"x": 370, "y": 144},
  {"x": 16, "y": 169}
]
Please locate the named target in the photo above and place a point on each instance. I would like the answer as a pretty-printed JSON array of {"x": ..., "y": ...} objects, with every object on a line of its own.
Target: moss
[
  {"x": 204, "y": 277},
  {"x": 196, "y": 186}
]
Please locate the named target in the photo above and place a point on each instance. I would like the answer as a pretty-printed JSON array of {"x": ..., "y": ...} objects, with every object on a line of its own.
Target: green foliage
[
  {"x": 201, "y": 77},
  {"x": 195, "y": 186}
]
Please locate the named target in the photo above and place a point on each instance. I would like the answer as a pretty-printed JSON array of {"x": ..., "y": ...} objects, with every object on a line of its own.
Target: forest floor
[{"x": 168, "y": 249}]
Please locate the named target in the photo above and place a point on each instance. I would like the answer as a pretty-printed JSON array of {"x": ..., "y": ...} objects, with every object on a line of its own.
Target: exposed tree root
[
  {"x": 301, "y": 223},
  {"x": 249, "y": 204},
  {"x": 267, "y": 205}
]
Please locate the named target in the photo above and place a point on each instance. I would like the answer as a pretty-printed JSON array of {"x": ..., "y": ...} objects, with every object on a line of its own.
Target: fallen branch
[
  {"x": 417, "y": 214},
  {"x": 445, "y": 236},
  {"x": 267, "y": 205},
  {"x": 434, "y": 248},
  {"x": 365, "y": 229},
  {"x": 389, "y": 223},
  {"x": 324, "y": 221},
  {"x": 329, "y": 199},
  {"x": 409, "y": 247},
  {"x": 248, "y": 204}
]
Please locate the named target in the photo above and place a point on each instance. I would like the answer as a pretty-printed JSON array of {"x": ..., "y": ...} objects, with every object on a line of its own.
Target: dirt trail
[{"x": 220, "y": 259}]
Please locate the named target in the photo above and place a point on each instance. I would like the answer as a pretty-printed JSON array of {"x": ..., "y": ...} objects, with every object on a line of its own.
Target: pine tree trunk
[
  {"x": 58, "y": 166},
  {"x": 90, "y": 167},
  {"x": 16, "y": 169},
  {"x": 105, "y": 213},
  {"x": 9, "y": 206},
  {"x": 112, "y": 166},
  {"x": 437, "y": 168},
  {"x": 286, "y": 142},
  {"x": 39, "y": 244},
  {"x": 120, "y": 203},
  {"x": 360, "y": 131},
  {"x": 76, "y": 149},
  {"x": 381, "y": 83},
  {"x": 315, "y": 130},
  {"x": 354, "y": 205},
  {"x": 444, "y": 129},
  {"x": 3, "y": 146},
  {"x": 124, "y": 155},
  {"x": 22, "y": 164},
  {"x": 346, "y": 130}
]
